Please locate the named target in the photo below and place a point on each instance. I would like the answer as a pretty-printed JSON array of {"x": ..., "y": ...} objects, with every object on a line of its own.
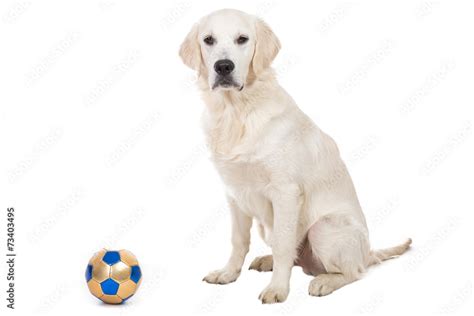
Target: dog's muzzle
[{"x": 224, "y": 78}]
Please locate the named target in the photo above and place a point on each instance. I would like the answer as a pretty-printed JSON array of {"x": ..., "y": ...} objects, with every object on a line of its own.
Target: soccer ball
[{"x": 113, "y": 276}]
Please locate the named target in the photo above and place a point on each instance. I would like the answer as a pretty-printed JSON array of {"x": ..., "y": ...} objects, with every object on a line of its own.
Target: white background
[{"x": 101, "y": 147}]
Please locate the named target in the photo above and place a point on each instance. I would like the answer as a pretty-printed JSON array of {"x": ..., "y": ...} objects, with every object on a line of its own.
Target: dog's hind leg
[{"x": 341, "y": 244}]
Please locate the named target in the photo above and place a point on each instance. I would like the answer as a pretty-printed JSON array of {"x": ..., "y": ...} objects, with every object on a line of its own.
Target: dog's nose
[{"x": 224, "y": 66}]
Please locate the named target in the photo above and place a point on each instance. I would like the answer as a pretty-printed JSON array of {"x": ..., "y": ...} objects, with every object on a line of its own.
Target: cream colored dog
[{"x": 278, "y": 167}]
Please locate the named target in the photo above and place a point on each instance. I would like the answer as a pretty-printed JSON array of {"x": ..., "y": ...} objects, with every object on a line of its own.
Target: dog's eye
[
  {"x": 209, "y": 40},
  {"x": 242, "y": 39}
]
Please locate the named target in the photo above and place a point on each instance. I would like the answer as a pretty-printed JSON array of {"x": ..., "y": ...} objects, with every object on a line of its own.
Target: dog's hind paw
[{"x": 262, "y": 264}]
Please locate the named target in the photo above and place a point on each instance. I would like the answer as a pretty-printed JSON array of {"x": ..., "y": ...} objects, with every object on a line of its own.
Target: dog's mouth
[{"x": 227, "y": 83}]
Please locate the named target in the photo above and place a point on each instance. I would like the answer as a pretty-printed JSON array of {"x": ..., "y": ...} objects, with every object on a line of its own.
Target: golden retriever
[{"x": 279, "y": 169}]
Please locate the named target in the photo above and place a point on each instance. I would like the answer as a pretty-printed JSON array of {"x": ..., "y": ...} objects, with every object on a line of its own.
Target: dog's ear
[
  {"x": 267, "y": 46},
  {"x": 190, "y": 51}
]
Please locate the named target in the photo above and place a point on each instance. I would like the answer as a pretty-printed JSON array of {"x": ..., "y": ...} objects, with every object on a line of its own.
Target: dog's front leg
[
  {"x": 241, "y": 225},
  {"x": 286, "y": 209}
]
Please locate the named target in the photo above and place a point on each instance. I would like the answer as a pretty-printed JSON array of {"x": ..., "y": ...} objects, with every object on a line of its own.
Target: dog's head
[{"x": 228, "y": 47}]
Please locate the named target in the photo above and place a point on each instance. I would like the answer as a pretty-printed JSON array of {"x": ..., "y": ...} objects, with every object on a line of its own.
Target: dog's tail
[{"x": 377, "y": 256}]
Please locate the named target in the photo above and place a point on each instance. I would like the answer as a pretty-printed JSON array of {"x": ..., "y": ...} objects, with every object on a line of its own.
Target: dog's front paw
[
  {"x": 273, "y": 294},
  {"x": 222, "y": 276}
]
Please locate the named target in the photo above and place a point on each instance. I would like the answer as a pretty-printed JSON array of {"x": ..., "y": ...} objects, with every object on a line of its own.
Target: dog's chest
[
  {"x": 247, "y": 184},
  {"x": 247, "y": 175},
  {"x": 233, "y": 137},
  {"x": 238, "y": 151}
]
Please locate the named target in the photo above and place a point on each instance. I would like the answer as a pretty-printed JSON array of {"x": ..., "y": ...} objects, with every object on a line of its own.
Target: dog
[{"x": 279, "y": 169}]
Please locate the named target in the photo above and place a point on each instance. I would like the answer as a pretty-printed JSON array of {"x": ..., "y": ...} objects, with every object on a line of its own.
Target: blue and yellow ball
[{"x": 113, "y": 276}]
